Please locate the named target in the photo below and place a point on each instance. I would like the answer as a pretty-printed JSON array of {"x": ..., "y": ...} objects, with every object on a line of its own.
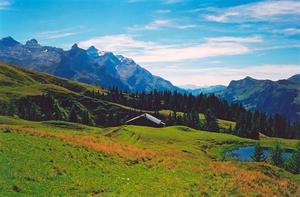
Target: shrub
[
  {"x": 293, "y": 162},
  {"x": 258, "y": 154},
  {"x": 276, "y": 156}
]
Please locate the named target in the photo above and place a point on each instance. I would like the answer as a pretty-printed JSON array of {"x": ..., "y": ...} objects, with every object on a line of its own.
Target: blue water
[{"x": 245, "y": 153}]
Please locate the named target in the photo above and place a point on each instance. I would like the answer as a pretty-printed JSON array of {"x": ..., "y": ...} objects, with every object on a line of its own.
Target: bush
[
  {"x": 6, "y": 130},
  {"x": 276, "y": 156},
  {"x": 293, "y": 162},
  {"x": 258, "y": 154}
]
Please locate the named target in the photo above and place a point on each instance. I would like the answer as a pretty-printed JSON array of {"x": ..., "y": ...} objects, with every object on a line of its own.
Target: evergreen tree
[
  {"x": 73, "y": 115},
  {"x": 258, "y": 154},
  {"x": 11, "y": 109},
  {"x": 276, "y": 155},
  {"x": 195, "y": 120},
  {"x": 170, "y": 119},
  {"x": 34, "y": 112},
  {"x": 87, "y": 118},
  {"x": 229, "y": 130},
  {"x": 240, "y": 126},
  {"x": 293, "y": 162},
  {"x": 58, "y": 112},
  {"x": 210, "y": 121},
  {"x": 174, "y": 118},
  {"x": 280, "y": 125}
]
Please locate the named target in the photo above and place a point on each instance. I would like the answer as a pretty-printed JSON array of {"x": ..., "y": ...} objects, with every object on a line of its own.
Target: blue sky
[{"x": 202, "y": 42}]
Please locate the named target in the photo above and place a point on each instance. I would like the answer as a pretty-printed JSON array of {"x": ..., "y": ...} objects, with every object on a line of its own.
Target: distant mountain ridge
[
  {"x": 196, "y": 90},
  {"x": 90, "y": 66},
  {"x": 282, "y": 97},
  {"x": 294, "y": 78}
]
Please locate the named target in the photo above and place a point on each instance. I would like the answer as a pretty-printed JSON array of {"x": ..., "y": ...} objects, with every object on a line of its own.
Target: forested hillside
[
  {"x": 271, "y": 97},
  {"x": 38, "y": 96}
]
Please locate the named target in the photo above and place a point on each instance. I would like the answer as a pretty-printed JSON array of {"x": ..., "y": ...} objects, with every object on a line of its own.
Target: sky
[{"x": 200, "y": 42}]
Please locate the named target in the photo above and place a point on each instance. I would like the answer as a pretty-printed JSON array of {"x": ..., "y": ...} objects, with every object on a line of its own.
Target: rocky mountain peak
[
  {"x": 89, "y": 66},
  {"x": 93, "y": 52},
  {"x": 75, "y": 46},
  {"x": 8, "y": 42},
  {"x": 125, "y": 60},
  {"x": 92, "y": 49},
  {"x": 32, "y": 42},
  {"x": 76, "y": 50},
  {"x": 249, "y": 78}
]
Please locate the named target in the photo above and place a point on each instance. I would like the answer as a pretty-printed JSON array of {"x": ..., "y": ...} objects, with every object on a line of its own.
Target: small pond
[{"x": 245, "y": 153}]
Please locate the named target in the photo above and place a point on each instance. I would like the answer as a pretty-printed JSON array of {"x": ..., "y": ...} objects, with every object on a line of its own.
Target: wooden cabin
[{"x": 146, "y": 120}]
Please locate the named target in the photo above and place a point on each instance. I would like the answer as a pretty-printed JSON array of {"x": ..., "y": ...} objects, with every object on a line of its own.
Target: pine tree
[
  {"x": 34, "y": 112},
  {"x": 230, "y": 130},
  {"x": 73, "y": 115},
  {"x": 276, "y": 156},
  {"x": 11, "y": 109},
  {"x": 87, "y": 118},
  {"x": 175, "y": 121},
  {"x": 258, "y": 154},
  {"x": 58, "y": 112},
  {"x": 210, "y": 121},
  {"x": 293, "y": 162},
  {"x": 195, "y": 120},
  {"x": 280, "y": 125},
  {"x": 170, "y": 119}
]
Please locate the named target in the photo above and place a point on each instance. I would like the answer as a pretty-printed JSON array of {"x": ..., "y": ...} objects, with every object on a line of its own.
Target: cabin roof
[{"x": 149, "y": 117}]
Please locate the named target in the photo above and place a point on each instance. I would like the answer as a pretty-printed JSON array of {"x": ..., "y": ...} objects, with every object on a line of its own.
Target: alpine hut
[{"x": 146, "y": 120}]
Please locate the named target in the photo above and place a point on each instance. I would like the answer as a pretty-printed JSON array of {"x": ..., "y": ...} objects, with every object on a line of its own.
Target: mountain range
[
  {"x": 107, "y": 70},
  {"x": 90, "y": 66},
  {"x": 282, "y": 97}
]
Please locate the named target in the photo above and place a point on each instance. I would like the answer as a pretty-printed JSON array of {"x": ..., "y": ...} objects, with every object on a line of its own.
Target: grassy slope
[
  {"x": 39, "y": 158},
  {"x": 17, "y": 82}
]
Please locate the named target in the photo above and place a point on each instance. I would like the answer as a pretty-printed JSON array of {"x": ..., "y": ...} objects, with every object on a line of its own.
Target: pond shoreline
[{"x": 245, "y": 153}]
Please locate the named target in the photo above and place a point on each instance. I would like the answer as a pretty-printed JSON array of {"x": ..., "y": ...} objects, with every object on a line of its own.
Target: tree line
[
  {"x": 90, "y": 109},
  {"x": 53, "y": 106},
  {"x": 248, "y": 123}
]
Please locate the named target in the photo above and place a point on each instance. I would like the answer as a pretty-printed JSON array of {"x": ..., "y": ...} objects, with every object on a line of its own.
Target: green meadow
[{"x": 56, "y": 158}]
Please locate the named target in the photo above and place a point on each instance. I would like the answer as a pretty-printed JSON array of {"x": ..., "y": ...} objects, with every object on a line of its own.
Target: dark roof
[{"x": 149, "y": 117}]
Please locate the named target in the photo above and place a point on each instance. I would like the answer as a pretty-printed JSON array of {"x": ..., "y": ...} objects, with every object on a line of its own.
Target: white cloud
[
  {"x": 158, "y": 24},
  {"x": 4, "y": 4},
  {"x": 252, "y": 39},
  {"x": 61, "y": 33},
  {"x": 165, "y": 11},
  {"x": 180, "y": 75},
  {"x": 261, "y": 11},
  {"x": 215, "y": 62},
  {"x": 120, "y": 43},
  {"x": 145, "y": 52},
  {"x": 198, "y": 51},
  {"x": 288, "y": 31}
]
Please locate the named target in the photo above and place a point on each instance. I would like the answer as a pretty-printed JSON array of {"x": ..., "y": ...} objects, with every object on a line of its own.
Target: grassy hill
[
  {"x": 25, "y": 89},
  {"x": 16, "y": 82},
  {"x": 56, "y": 157}
]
